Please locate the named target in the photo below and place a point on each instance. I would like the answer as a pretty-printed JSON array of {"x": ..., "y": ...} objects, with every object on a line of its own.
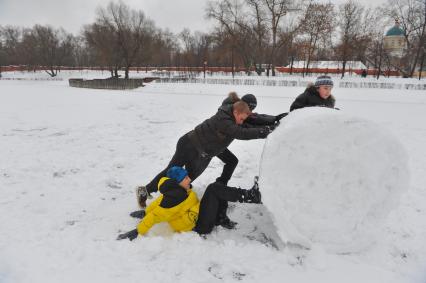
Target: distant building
[{"x": 394, "y": 41}]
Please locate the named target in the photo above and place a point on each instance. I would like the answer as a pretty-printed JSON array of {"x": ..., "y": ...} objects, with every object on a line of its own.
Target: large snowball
[{"x": 330, "y": 179}]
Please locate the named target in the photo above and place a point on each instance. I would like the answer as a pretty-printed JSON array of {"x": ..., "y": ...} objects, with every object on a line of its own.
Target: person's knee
[{"x": 214, "y": 187}]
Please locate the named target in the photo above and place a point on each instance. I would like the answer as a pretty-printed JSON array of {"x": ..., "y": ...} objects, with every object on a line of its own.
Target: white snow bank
[{"x": 330, "y": 179}]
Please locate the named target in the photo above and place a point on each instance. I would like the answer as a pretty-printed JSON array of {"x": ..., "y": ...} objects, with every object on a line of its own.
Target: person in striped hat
[{"x": 317, "y": 94}]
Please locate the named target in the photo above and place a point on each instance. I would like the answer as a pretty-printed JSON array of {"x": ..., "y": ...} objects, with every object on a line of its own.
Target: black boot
[
  {"x": 251, "y": 196},
  {"x": 225, "y": 222}
]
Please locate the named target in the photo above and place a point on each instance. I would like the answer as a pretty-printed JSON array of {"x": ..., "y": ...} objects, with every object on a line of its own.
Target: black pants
[
  {"x": 231, "y": 162},
  {"x": 187, "y": 155},
  {"x": 210, "y": 205}
]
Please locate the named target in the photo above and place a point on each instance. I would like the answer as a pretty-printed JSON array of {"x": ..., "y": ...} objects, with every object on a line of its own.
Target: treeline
[{"x": 252, "y": 34}]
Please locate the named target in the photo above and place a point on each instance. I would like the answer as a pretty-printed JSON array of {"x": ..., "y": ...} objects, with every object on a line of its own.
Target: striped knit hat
[{"x": 324, "y": 80}]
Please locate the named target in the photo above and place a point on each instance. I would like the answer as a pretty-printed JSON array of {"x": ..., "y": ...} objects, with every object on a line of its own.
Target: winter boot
[
  {"x": 142, "y": 195},
  {"x": 225, "y": 222},
  {"x": 253, "y": 195}
]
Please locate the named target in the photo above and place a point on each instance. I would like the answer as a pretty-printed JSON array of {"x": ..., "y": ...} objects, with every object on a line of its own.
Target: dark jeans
[
  {"x": 210, "y": 205},
  {"x": 187, "y": 155}
]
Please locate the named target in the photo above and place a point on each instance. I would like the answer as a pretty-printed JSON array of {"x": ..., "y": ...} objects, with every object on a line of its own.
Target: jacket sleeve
[
  {"x": 156, "y": 214},
  {"x": 260, "y": 120},
  {"x": 230, "y": 129},
  {"x": 332, "y": 101},
  {"x": 300, "y": 102},
  {"x": 150, "y": 217}
]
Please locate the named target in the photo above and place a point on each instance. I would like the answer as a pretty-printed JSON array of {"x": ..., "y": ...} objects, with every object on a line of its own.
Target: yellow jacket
[{"x": 181, "y": 217}]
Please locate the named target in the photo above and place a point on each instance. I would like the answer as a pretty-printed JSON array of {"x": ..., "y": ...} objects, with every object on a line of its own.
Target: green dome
[{"x": 395, "y": 31}]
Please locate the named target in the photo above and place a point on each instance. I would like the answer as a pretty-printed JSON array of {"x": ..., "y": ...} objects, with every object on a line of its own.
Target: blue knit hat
[
  {"x": 178, "y": 173},
  {"x": 324, "y": 80}
]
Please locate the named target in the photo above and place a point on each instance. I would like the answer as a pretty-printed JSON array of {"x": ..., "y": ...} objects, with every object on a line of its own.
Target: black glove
[
  {"x": 280, "y": 116},
  {"x": 264, "y": 132},
  {"x": 138, "y": 214},
  {"x": 131, "y": 235},
  {"x": 273, "y": 127}
]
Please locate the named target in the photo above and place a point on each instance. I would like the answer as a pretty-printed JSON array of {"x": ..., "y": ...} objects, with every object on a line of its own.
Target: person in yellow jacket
[{"x": 179, "y": 205}]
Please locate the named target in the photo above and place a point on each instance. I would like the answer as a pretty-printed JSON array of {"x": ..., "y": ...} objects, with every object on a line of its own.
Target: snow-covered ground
[{"x": 71, "y": 157}]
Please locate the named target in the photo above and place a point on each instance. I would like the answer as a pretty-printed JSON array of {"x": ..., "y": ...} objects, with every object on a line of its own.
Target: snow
[
  {"x": 330, "y": 179},
  {"x": 71, "y": 157},
  {"x": 357, "y": 65}
]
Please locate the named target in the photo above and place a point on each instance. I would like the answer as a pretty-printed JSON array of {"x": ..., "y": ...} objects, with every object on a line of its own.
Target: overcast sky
[{"x": 73, "y": 14}]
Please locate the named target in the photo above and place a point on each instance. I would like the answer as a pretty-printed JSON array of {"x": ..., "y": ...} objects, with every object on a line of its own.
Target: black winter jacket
[
  {"x": 310, "y": 98},
  {"x": 216, "y": 133}
]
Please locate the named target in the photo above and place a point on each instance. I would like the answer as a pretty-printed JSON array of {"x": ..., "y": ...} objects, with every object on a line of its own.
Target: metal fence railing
[{"x": 292, "y": 83}]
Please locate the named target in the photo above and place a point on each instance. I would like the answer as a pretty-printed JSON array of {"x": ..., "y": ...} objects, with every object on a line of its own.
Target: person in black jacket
[
  {"x": 196, "y": 148},
  {"x": 318, "y": 94},
  {"x": 230, "y": 160}
]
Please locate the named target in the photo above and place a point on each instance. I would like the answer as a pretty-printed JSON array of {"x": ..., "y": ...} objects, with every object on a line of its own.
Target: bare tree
[
  {"x": 131, "y": 28},
  {"x": 317, "y": 24},
  {"x": 161, "y": 51},
  {"x": 234, "y": 29},
  {"x": 349, "y": 22},
  {"x": 275, "y": 10},
  {"x": 51, "y": 47},
  {"x": 103, "y": 41},
  {"x": 11, "y": 41},
  {"x": 259, "y": 27},
  {"x": 2, "y": 51}
]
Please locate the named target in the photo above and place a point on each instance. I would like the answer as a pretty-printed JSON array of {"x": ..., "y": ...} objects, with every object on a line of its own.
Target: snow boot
[
  {"x": 253, "y": 195},
  {"x": 142, "y": 195},
  {"x": 225, "y": 222}
]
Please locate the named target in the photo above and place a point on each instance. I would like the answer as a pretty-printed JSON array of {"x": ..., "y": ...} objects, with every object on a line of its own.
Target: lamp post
[{"x": 204, "y": 68}]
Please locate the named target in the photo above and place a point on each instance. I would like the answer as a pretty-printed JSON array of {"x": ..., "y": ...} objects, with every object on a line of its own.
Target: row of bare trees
[
  {"x": 38, "y": 46},
  {"x": 253, "y": 34}
]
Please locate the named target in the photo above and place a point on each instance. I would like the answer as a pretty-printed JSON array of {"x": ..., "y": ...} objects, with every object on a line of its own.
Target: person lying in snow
[
  {"x": 318, "y": 94},
  {"x": 196, "y": 148},
  {"x": 179, "y": 206}
]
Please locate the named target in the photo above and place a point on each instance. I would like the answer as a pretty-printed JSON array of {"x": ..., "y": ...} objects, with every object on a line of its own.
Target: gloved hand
[
  {"x": 264, "y": 132},
  {"x": 138, "y": 214},
  {"x": 131, "y": 235},
  {"x": 280, "y": 116},
  {"x": 273, "y": 127}
]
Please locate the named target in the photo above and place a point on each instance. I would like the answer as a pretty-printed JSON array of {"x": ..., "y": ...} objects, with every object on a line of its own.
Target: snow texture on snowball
[{"x": 330, "y": 179}]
